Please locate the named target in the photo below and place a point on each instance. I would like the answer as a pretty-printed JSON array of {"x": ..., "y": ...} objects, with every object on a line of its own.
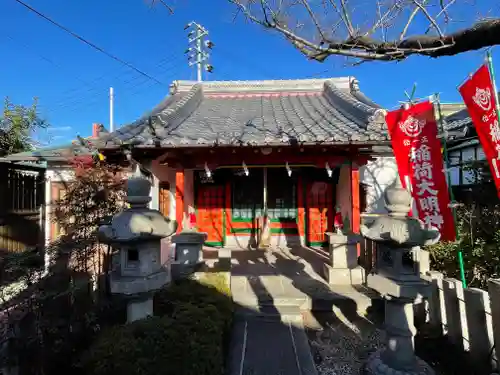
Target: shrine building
[
  {"x": 237, "y": 153},
  {"x": 234, "y": 155}
]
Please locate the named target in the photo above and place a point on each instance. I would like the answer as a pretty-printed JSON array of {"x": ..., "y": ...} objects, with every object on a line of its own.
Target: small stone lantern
[
  {"x": 188, "y": 252},
  {"x": 397, "y": 279},
  {"x": 136, "y": 233},
  {"x": 343, "y": 268}
]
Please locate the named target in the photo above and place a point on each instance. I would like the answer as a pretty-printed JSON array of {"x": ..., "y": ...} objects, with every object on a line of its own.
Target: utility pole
[
  {"x": 111, "y": 110},
  {"x": 196, "y": 53}
]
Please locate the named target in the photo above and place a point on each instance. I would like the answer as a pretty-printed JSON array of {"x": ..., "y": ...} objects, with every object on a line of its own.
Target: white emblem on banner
[
  {"x": 412, "y": 127},
  {"x": 482, "y": 98}
]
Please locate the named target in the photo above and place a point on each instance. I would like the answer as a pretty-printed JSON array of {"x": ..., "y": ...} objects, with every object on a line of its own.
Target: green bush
[
  {"x": 211, "y": 290},
  {"x": 186, "y": 337},
  {"x": 478, "y": 228}
]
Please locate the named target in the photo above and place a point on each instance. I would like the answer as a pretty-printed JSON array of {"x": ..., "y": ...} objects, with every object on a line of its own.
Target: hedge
[{"x": 187, "y": 335}]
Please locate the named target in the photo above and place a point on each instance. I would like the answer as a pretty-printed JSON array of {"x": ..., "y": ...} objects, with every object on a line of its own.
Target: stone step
[
  {"x": 286, "y": 314},
  {"x": 356, "y": 302}
]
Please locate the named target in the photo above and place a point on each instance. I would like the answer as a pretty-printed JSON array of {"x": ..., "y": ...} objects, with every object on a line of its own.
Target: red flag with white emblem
[
  {"x": 417, "y": 149},
  {"x": 478, "y": 93}
]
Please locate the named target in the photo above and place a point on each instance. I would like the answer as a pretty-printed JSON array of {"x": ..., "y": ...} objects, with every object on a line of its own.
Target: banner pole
[
  {"x": 450, "y": 189},
  {"x": 489, "y": 60}
]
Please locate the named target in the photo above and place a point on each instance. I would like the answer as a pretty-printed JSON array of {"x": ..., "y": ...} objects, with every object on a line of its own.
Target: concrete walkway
[
  {"x": 261, "y": 346},
  {"x": 272, "y": 289}
]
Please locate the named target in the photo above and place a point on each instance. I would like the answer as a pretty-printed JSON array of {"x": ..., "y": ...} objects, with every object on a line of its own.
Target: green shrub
[
  {"x": 478, "y": 228},
  {"x": 187, "y": 337},
  {"x": 211, "y": 290}
]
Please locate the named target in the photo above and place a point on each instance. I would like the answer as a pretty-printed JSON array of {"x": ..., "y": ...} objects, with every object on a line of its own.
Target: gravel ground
[{"x": 341, "y": 347}]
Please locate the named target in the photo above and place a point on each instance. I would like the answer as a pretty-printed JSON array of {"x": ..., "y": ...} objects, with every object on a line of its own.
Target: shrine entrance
[
  {"x": 297, "y": 202},
  {"x": 319, "y": 205},
  {"x": 210, "y": 202}
]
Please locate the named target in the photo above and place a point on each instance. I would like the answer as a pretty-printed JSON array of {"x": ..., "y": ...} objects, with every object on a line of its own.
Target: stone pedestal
[
  {"x": 139, "y": 309},
  {"x": 398, "y": 357},
  {"x": 343, "y": 268}
]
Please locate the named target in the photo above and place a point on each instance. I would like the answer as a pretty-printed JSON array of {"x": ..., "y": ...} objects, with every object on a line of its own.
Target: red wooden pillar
[
  {"x": 355, "y": 199},
  {"x": 179, "y": 198}
]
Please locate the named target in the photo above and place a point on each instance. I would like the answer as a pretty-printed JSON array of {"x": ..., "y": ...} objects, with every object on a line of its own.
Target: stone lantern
[
  {"x": 136, "y": 233},
  {"x": 398, "y": 280}
]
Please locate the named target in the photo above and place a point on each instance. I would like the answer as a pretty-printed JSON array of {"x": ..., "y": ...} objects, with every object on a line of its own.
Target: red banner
[
  {"x": 417, "y": 150},
  {"x": 479, "y": 97}
]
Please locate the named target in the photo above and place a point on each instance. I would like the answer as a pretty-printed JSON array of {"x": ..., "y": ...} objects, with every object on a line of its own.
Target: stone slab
[
  {"x": 386, "y": 286},
  {"x": 344, "y": 276},
  {"x": 134, "y": 285}
]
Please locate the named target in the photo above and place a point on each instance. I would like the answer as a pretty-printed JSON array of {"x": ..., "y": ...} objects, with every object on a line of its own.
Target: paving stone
[{"x": 270, "y": 350}]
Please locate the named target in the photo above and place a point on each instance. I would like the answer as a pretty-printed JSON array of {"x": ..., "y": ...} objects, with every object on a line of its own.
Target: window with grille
[
  {"x": 281, "y": 194},
  {"x": 248, "y": 195}
]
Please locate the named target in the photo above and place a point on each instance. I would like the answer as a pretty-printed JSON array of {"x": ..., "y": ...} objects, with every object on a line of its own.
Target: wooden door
[
  {"x": 210, "y": 213},
  {"x": 320, "y": 206},
  {"x": 164, "y": 199}
]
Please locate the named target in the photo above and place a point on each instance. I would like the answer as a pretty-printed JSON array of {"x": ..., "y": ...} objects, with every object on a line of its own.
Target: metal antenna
[{"x": 196, "y": 53}]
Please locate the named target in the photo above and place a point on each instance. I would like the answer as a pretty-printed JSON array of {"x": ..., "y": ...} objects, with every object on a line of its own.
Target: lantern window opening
[{"x": 132, "y": 257}]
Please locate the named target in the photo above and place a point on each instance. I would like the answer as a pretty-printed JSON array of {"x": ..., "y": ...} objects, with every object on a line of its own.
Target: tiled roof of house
[
  {"x": 457, "y": 120},
  {"x": 61, "y": 152},
  {"x": 329, "y": 111},
  {"x": 49, "y": 154}
]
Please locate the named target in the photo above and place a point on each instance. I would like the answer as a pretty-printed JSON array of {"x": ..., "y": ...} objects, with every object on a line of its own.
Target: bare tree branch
[
  {"x": 393, "y": 35},
  {"x": 163, "y": 2},
  {"x": 410, "y": 20},
  {"x": 443, "y": 11},
  {"x": 313, "y": 17},
  {"x": 347, "y": 18},
  {"x": 431, "y": 20}
]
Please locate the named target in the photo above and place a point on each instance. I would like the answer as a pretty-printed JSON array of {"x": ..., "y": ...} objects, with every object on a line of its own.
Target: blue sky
[{"x": 72, "y": 80}]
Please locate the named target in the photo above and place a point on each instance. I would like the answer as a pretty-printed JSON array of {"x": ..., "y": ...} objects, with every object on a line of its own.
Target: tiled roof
[
  {"x": 457, "y": 120},
  {"x": 257, "y": 113},
  {"x": 54, "y": 153},
  {"x": 48, "y": 154}
]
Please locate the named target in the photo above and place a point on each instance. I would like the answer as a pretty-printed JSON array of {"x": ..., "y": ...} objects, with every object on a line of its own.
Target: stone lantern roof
[
  {"x": 397, "y": 228},
  {"x": 138, "y": 223}
]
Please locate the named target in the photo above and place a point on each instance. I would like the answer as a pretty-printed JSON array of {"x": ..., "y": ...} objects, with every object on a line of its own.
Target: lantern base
[
  {"x": 376, "y": 366},
  {"x": 343, "y": 276}
]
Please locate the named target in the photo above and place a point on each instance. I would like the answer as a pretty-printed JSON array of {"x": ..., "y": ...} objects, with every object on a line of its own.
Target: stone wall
[{"x": 469, "y": 317}]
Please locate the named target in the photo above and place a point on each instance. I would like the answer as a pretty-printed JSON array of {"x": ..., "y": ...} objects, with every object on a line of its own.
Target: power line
[
  {"x": 87, "y": 42},
  {"x": 101, "y": 94},
  {"x": 74, "y": 95},
  {"x": 45, "y": 58}
]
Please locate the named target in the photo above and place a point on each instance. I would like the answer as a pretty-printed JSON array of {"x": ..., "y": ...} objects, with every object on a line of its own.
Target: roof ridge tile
[{"x": 307, "y": 84}]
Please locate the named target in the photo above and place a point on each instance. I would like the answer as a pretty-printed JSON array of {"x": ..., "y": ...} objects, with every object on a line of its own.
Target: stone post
[
  {"x": 494, "y": 293},
  {"x": 343, "y": 268},
  {"x": 401, "y": 284}
]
